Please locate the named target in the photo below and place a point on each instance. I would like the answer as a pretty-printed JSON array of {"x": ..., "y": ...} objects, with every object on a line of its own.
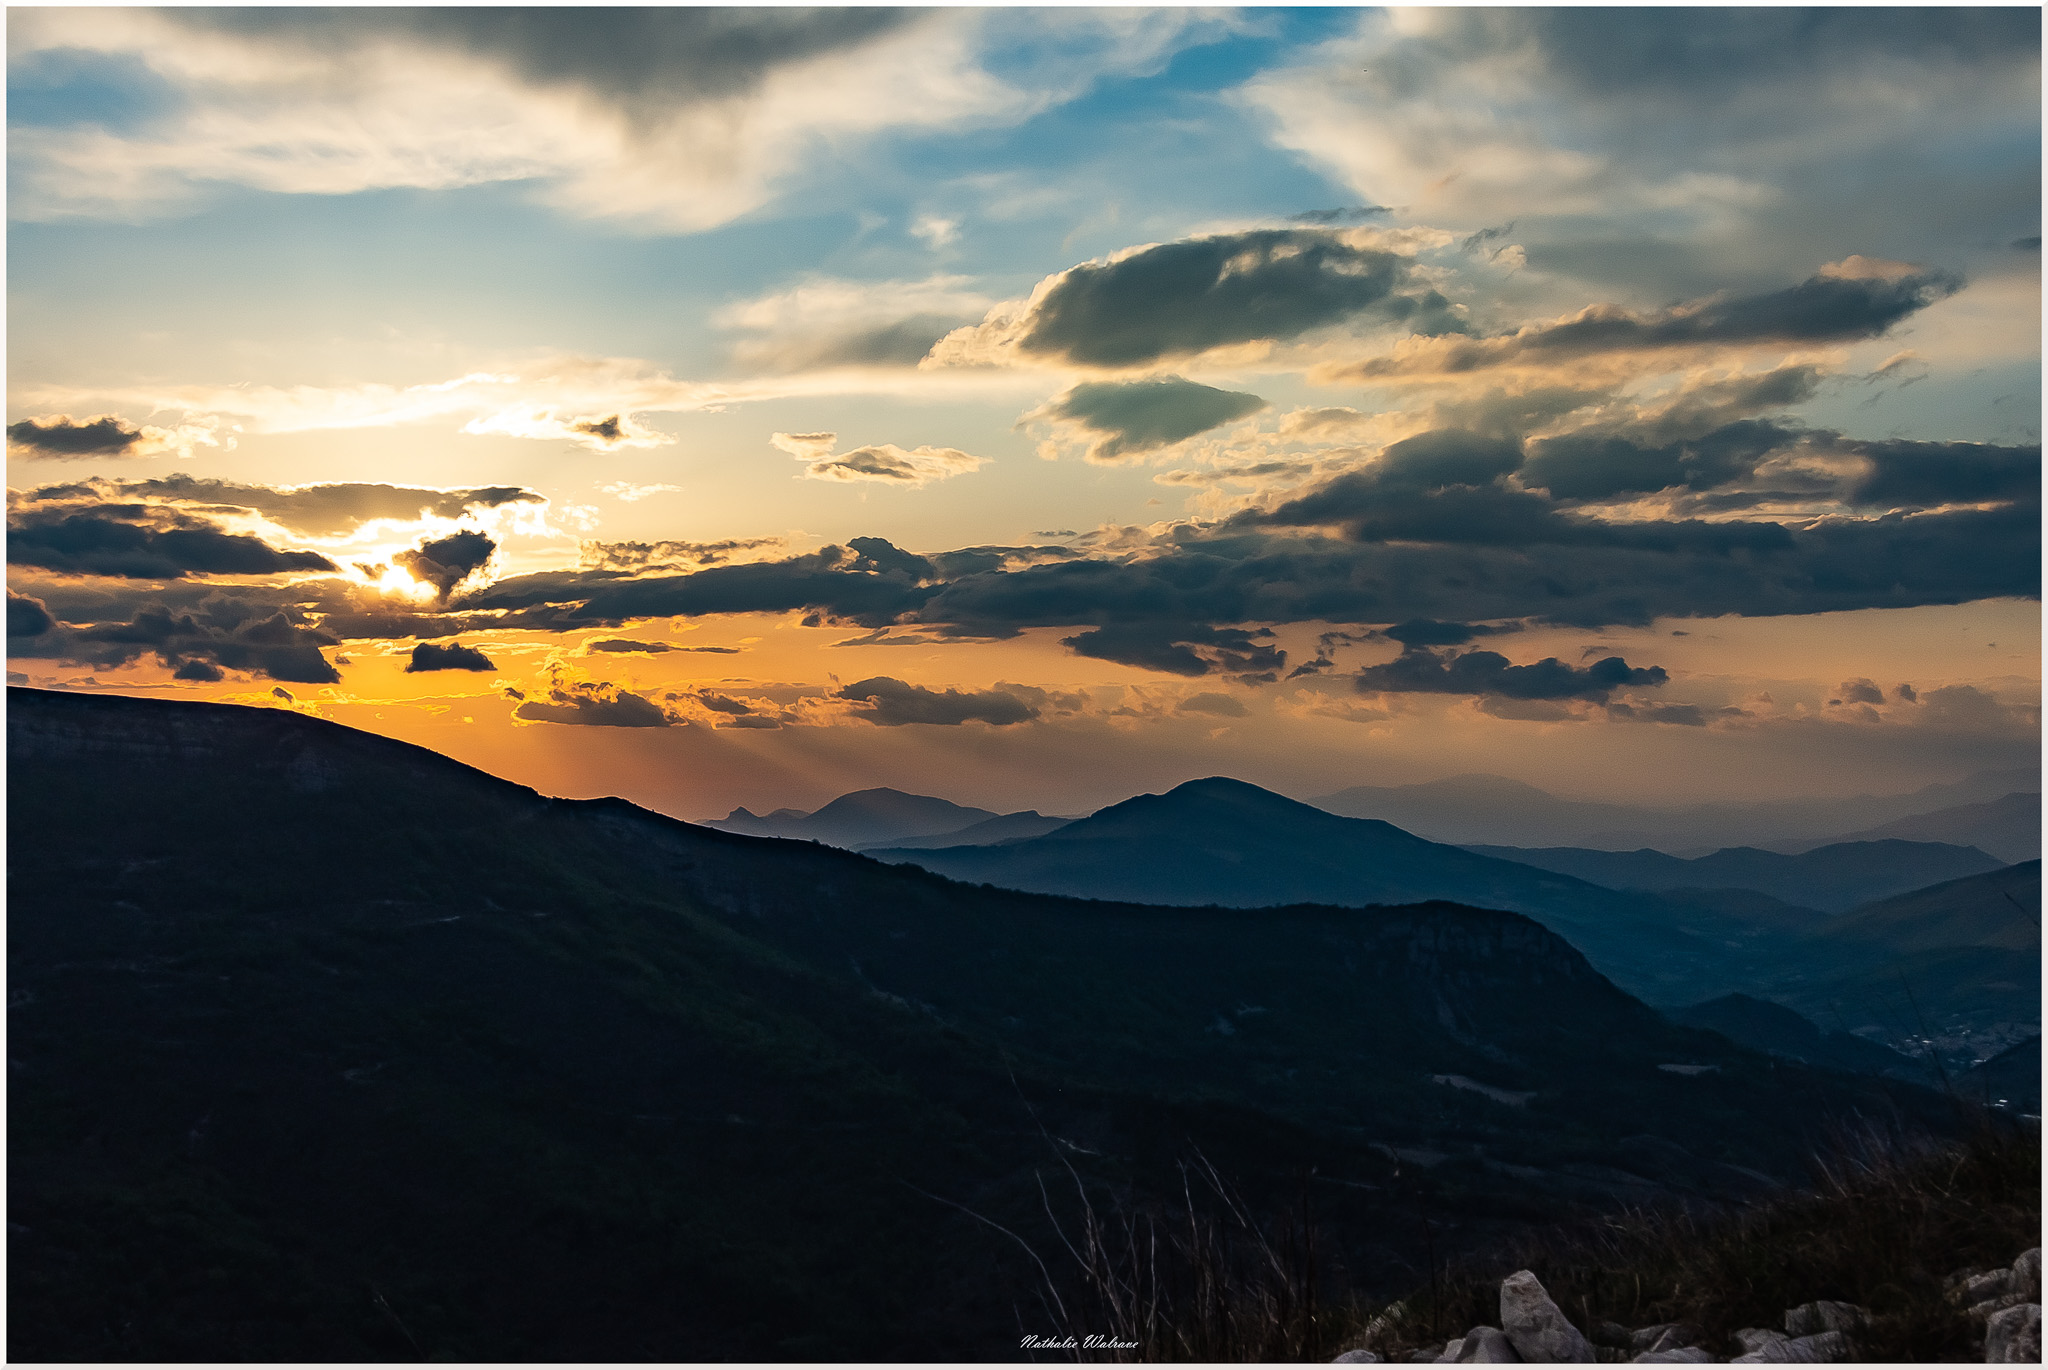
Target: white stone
[
  {"x": 1757, "y": 1338},
  {"x": 1487, "y": 1346},
  {"x": 1680, "y": 1355},
  {"x": 2013, "y": 1335},
  {"x": 1537, "y": 1326},
  {"x": 1824, "y": 1315},
  {"x": 2026, "y": 1275},
  {"x": 1356, "y": 1358}
]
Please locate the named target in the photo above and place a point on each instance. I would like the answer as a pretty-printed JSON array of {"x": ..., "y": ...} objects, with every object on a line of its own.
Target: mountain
[
  {"x": 1831, "y": 878},
  {"x": 2011, "y": 1079},
  {"x": 1957, "y": 964},
  {"x": 1222, "y": 841},
  {"x": 326, "y": 1047},
  {"x": 1778, "y": 1030},
  {"x": 1493, "y": 809},
  {"x": 862, "y": 818},
  {"x": 2001, "y": 908},
  {"x": 1007, "y": 827},
  {"x": 2008, "y": 827}
]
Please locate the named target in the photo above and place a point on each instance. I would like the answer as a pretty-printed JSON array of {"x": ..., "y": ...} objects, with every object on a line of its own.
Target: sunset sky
[{"x": 1036, "y": 407}]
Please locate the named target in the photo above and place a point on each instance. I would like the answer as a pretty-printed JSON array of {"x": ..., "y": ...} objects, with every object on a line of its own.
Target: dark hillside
[{"x": 327, "y": 1047}]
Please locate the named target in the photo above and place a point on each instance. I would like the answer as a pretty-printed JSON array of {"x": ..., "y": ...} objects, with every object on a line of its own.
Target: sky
[{"x": 1034, "y": 407}]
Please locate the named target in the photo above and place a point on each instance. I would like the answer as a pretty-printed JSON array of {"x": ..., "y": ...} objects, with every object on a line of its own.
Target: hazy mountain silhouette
[
  {"x": 1226, "y": 842},
  {"x": 1492, "y": 809},
  {"x": 860, "y": 818},
  {"x": 324, "y": 1046},
  {"x": 2008, "y": 827},
  {"x": 1002, "y": 828},
  {"x": 2001, "y": 908},
  {"x": 1831, "y": 878}
]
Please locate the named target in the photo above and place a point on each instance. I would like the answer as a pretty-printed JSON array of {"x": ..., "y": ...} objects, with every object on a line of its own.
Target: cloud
[
  {"x": 427, "y": 656},
  {"x": 1421, "y": 671},
  {"x": 824, "y": 323},
  {"x": 142, "y": 542},
  {"x": 446, "y": 562},
  {"x": 882, "y": 462},
  {"x": 628, "y": 493},
  {"x": 223, "y": 631},
  {"x": 27, "y": 617},
  {"x": 613, "y": 432},
  {"x": 327, "y": 510},
  {"x": 1181, "y": 648},
  {"x": 595, "y": 704},
  {"x": 1210, "y": 702},
  {"x": 651, "y": 556},
  {"x": 1164, "y": 300},
  {"x": 1429, "y": 632},
  {"x": 1846, "y": 301},
  {"x": 894, "y": 704},
  {"x": 1678, "y": 715},
  {"x": 1783, "y": 141},
  {"x": 672, "y": 120},
  {"x": 61, "y": 437},
  {"x": 1125, "y": 418},
  {"x": 620, "y": 644}
]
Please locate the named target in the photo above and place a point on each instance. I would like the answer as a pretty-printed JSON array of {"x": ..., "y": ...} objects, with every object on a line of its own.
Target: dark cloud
[
  {"x": 607, "y": 429},
  {"x": 595, "y": 704},
  {"x": 1594, "y": 466},
  {"x": 1180, "y": 648},
  {"x": 895, "y": 703},
  {"x": 1862, "y": 300},
  {"x": 446, "y": 562},
  {"x": 195, "y": 645},
  {"x": 1861, "y": 691},
  {"x": 27, "y": 617},
  {"x": 281, "y": 692},
  {"x": 318, "y": 510},
  {"x": 428, "y": 656},
  {"x": 1350, "y": 214},
  {"x": 1209, "y": 702},
  {"x": 1933, "y": 473},
  {"x": 1421, "y": 671},
  {"x": 1174, "y": 299},
  {"x": 621, "y": 644},
  {"x": 1680, "y": 715},
  {"x": 645, "y": 62},
  {"x": 61, "y": 436},
  {"x": 143, "y": 542},
  {"x": 651, "y": 556},
  {"x": 1429, "y": 632},
  {"x": 723, "y": 704},
  {"x": 1662, "y": 55},
  {"x": 1140, "y": 416}
]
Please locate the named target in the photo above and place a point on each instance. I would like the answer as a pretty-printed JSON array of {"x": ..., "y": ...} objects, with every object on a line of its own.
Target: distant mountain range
[
  {"x": 886, "y": 817},
  {"x": 1222, "y": 841},
  {"x": 1831, "y": 878},
  {"x": 1945, "y": 961},
  {"x": 323, "y": 1046},
  {"x": 2008, "y": 827},
  {"x": 1493, "y": 809}
]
